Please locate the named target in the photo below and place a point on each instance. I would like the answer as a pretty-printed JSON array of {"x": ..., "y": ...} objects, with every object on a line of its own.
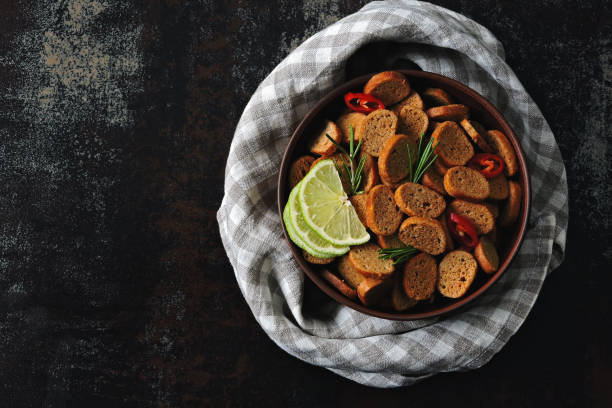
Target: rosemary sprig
[
  {"x": 352, "y": 174},
  {"x": 398, "y": 255},
  {"x": 424, "y": 159}
]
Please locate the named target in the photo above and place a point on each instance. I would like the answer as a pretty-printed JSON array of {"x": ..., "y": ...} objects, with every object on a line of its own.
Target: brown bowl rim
[{"x": 524, "y": 179}]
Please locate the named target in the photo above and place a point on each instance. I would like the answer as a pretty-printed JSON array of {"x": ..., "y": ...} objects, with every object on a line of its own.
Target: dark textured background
[{"x": 115, "y": 121}]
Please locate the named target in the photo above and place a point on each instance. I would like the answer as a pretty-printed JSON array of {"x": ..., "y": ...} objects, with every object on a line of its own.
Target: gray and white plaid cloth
[{"x": 366, "y": 349}]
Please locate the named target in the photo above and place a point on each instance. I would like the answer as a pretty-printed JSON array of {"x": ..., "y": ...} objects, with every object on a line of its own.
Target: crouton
[
  {"x": 448, "y": 112},
  {"x": 375, "y": 129},
  {"x": 320, "y": 144},
  {"x": 424, "y": 234},
  {"x": 420, "y": 276},
  {"x": 339, "y": 284},
  {"x": 389, "y": 86},
  {"x": 510, "y": 211},
  {"x": 382, "y": 215},
  {"x": 464, "y": 182},
  {"x": 394, "y": 160},
  {"x": 436, "y": 97},
  {"x": 503, "y": 148},
  {"x": 486, "y": 255},
  {"x": 479, "y": 215},
  {"x": 498, "y": 187},
  {"x": 475, "y": 131},
  {"x": 298, "y": 169},
  {"x": 412, "y": 122},
  {"x": 415, "y": 199},
  {"x": 457, "y": 271},
  {"x": 365, "y": 259},
  {"x": 451, "y": 145}
]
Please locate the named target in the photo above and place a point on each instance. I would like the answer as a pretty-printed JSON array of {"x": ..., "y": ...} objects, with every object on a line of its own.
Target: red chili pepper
[
  {"x": 488, "y": 164},
  {"x": 462, "y": 229},
  {"x": 361, "y": 102}
]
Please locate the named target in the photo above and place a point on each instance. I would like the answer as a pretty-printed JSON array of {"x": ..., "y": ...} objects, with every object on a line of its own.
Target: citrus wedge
[
  {"x": 313, "y": 243},
  {"x": 296, "y": 238},
  {"x": 326, "y": 208}
]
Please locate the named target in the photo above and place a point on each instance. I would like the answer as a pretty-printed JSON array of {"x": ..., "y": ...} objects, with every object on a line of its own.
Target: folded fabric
[{"x": 369, "y": 350}]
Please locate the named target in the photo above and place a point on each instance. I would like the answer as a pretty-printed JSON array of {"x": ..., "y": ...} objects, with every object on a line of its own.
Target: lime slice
[
  {"x": 326, "y": 208},
  {"x": 296, "y": 238},
  {"x": 310, "y": 238}
]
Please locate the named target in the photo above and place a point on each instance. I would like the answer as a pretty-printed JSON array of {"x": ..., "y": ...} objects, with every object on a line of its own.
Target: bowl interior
[{"x": 509, "y": 239}]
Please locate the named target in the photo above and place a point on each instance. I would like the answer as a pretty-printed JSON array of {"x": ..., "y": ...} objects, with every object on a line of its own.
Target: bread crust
[
  {"x": 420, "y": 276},
  {"x": 455, "y": 112},
  {"x": 452, "y": 145},
  {"x": 320, "y": 144},
  {"x": 475, "y": 131},
  {"x": 382, "y": 215},
  {"x": 388, "y": 86},
  {"x": 486, "y": 255},
  {"x": 503, "y": 148},
  {"x": 370, "y": 176},
  {"x": 440, "y": 167},
  {"x": 339, "y": 284},
  {"x": 416, "y": 199},
  {"x": 299, "y": 168},
  {"x": 510, "y": 211},
  {"x": 400, "y": 301},
  {"x": 466, "y": 183},
  {"x": 437, "y": 97},
  {"x": 422, "y": 233}
]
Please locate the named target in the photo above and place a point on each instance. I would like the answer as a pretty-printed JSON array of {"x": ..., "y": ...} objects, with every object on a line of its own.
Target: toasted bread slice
[
  {"x": 466, "y": 183},
  {"x": 510, "y": 211},
  {"x": 433, "y": 180},
  {"x": 359, "y": 202},
  {"x": 298, "y": 169},
  {"x": 503, "y": 148},
  {"x": 364, "y": 259},
  {"x": 389, "y": 86},
  {"x": 415, "y": 199},
  {"x": 348, "y": 272},
  {"x": 455, "y": 113},
  {"x": 375, "y": 129},
  {"x": 413, "y": 99},
  {"x": 372, "y": 291},
  {"x": 382, "y": 215},
  {"x": 436, "y": 97},
  {"x": 389, "y": 241},
  {"x": 339, "y": 159},
  {"x": 317, "y": 261},
  {"x": 345, "y": 121},
  {"x": 320, "y": 144},
  {"x": 498, "y": 188},
  {"x": 399, "y": 299},
  {"x": 370, "y": 176},
  {"x": 440, "y": 167},
  {"x": 486, "y": 255},
  {"x": 424, "y": 234},
  {"x": 412, "y": 122},
  {"x": 451, "y": 145},
  {"x": 394, "y": 160},
  {"x": 339, "y": 284},
  {"x": 420, "y": 276},
  {"x": 493, "y": 235},
  {"x": 493, "y": 208},
  {"x": 479, "y": 215},
  {"x": 457, "y": 271},
  {"x": 475, "y": 131},
  {"x": 450, "y": 245}
]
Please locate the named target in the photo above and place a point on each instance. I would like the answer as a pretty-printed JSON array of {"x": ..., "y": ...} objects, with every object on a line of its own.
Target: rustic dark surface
[{"x": 115, "y": 121}]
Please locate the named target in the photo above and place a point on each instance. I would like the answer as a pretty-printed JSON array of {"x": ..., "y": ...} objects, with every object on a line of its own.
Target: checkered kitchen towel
[{"x": 366, "y": 349}]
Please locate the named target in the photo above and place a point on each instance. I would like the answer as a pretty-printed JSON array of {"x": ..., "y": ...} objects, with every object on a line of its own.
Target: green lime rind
[
  {"x": 306, "y": 234},
  {"x": 294, "y": 236},
  {"x": 326, "y": 208}
]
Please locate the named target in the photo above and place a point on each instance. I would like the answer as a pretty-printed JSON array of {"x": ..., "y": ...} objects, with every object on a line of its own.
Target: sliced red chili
[
  {"x": 462, "y": 229},
  {"x": 488, "y": 164},
  {"x": 361, "y": 102}
]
